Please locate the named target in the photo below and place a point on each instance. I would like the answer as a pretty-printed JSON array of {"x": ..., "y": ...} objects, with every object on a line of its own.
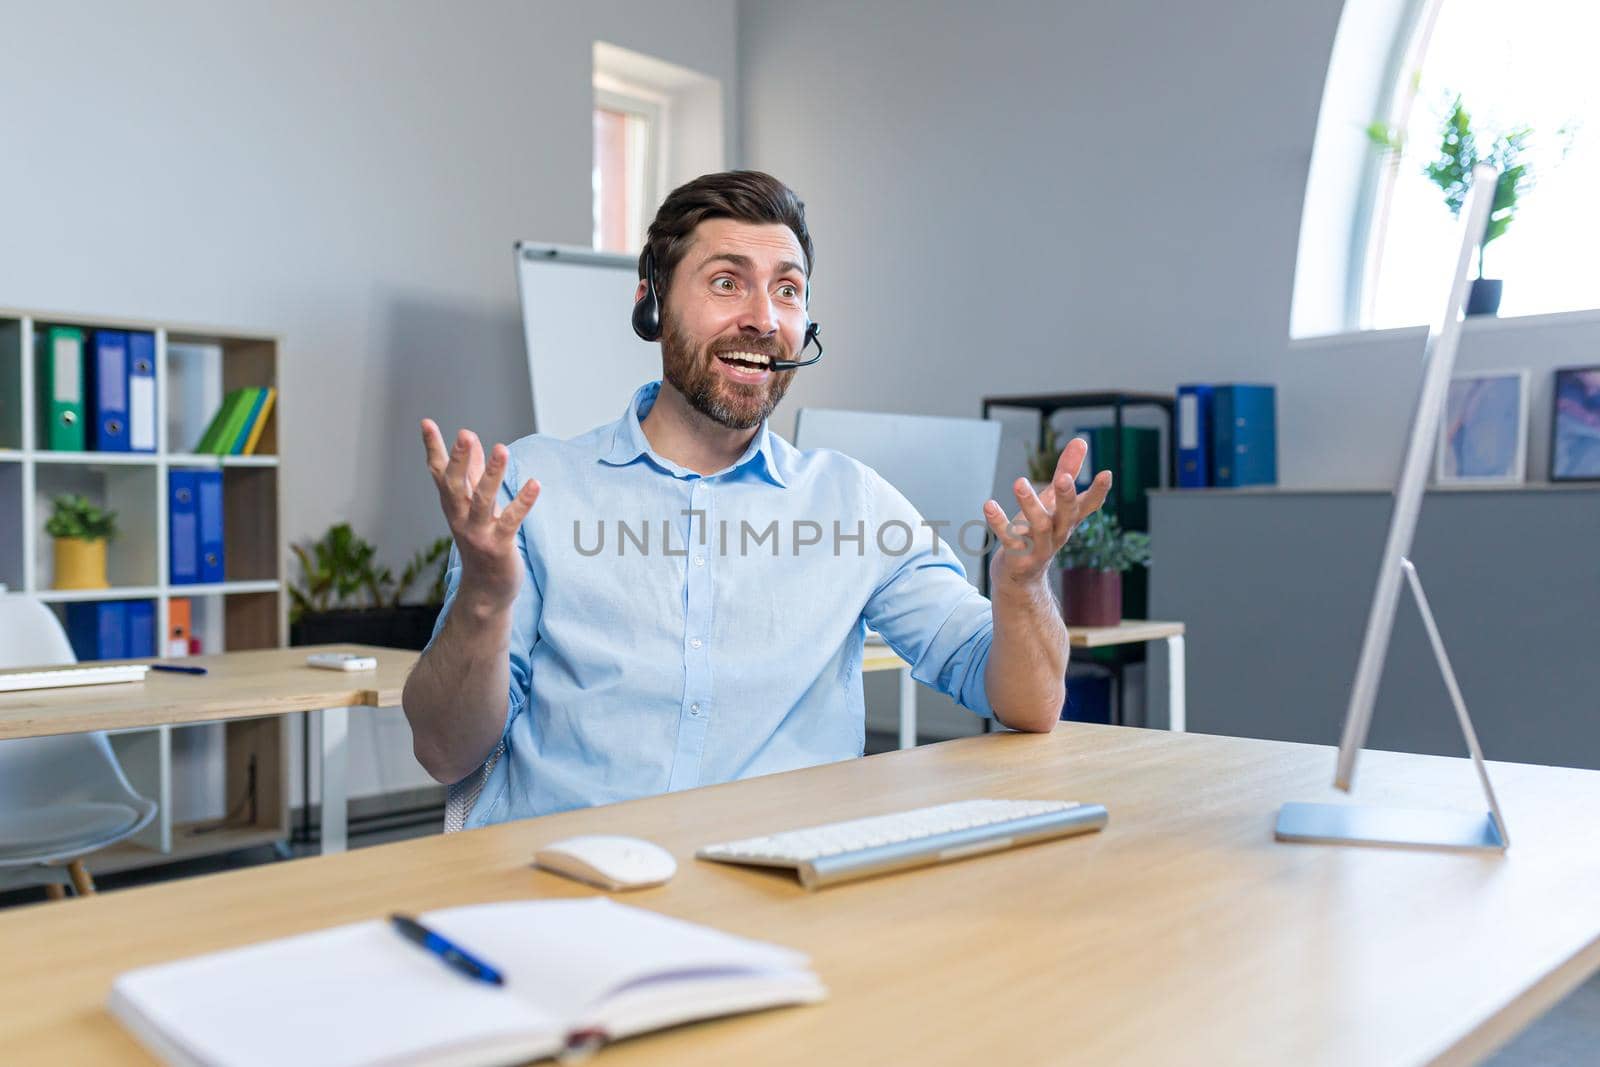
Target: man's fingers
[
  {"x": 994, "y": 515},
  {"x": 1066, "y": 513},
  {"x": 512, "y": 515},
  {"x": 433, "y": 446},
  {"x": 474, "y": 471},
  {"x": 1032, "y": 509},
  {"x": 487, "y": 487},
  {"x": 1071, "y": 461},
  {"x": 455, "y": 471},
  {"x": 1091, "y": 499}
]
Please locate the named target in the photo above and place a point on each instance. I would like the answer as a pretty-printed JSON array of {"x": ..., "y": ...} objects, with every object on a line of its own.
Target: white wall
[
  {"x": 1024, "y": 197},
  {"x": 349, "y": 175},
  {"x": 1015, "y": 197}
]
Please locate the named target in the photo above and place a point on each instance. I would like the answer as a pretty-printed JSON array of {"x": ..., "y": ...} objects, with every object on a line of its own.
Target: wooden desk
[
  {"x": 1134, "y": 631},
  {"x": 238, "y": 685},
  {"x": 1182, "y": 933}
]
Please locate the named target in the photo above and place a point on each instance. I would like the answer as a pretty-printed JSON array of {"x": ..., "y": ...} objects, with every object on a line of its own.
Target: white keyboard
[
  {"x": 57, "y": 679},
  {"x": 841, "y": 851}
]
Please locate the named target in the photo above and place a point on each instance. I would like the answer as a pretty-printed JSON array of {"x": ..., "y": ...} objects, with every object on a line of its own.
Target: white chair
[
  {"x": 61, "y": 797},
  {"x": 459, "y": 798}
]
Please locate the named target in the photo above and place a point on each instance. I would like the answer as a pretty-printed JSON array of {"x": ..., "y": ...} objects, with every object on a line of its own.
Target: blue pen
[
  {"x": 175, "y": 669},
  {"x": 456, "y": 958}
]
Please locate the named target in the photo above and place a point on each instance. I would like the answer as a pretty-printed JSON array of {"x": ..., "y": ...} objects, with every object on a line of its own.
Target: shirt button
[
  {"x": 695, "y": 643},
  {"x": 694, "y": 709},
  {"x": 699, "y": 561}
]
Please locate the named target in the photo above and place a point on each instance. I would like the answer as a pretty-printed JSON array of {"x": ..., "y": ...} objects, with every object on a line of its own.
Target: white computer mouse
[{"x": 608, "y": 861}]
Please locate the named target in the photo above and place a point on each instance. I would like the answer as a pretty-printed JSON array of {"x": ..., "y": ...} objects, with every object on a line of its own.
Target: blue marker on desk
[
  {"x": 175, "y": 669},
  {"x": 455, "y": 958}
]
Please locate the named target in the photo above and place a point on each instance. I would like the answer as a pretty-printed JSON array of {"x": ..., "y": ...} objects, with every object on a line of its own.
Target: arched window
[{"x": 1527, "y": 67}]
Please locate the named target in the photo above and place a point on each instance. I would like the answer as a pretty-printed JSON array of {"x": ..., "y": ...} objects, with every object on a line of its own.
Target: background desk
[
  {"x": 1181, "y": 933},
  {"x": 878, "y": 657},
  {"x": 238, "y": 685}
]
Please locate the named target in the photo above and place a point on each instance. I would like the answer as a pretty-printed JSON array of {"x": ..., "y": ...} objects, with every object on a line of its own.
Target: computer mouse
[{"x": 608, "y": 861}]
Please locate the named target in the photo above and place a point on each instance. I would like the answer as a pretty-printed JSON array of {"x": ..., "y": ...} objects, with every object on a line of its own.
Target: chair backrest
[
  {"x": 944, "y": 465},
  {"x": 31, "y": 635},
  {"x": 459, "y": 798},
  {"x": 63, "y": 767}
]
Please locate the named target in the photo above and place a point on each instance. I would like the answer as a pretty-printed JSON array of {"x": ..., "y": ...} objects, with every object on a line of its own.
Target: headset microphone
[
  {"x": 790, "y": 364},
  {"x": 647, "y": 320}
]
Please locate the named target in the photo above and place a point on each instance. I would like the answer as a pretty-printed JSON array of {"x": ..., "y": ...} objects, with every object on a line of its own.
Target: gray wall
[
  {"x": 1013, "y": 197},
  {"x": 1017, "y": 196},
  {"x": 350, "y": 176},
  {"x": 1275, "y": 589}
]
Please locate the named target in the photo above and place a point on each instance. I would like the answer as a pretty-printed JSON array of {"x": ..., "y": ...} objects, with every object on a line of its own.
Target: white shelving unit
[{"x": 197, "y": 774}]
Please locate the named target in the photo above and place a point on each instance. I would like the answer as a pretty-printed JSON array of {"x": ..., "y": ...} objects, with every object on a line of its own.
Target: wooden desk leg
[
  {"x": 908, "y": 709},
  {"x": 335, "y": 788},
  {"x": 1177, "y": 711}
]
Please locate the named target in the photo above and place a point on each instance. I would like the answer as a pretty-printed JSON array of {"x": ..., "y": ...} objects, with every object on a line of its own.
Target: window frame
[{"x": 613, "y": 94}]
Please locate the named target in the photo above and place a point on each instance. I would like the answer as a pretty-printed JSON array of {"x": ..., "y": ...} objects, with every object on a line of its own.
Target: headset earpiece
[{"x": 647, "y": 309}]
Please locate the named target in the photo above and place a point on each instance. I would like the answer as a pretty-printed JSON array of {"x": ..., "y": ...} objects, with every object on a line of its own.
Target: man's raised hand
[
  {"x": 485, "y": 534},
  {"x": 1032, "y": 538}
]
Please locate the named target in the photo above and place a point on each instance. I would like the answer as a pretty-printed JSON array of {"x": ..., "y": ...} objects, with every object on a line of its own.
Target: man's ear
[{"x": 638, "y": 292}]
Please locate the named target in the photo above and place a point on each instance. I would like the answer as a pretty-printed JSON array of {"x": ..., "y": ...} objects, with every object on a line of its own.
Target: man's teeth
[{"x": 756, "y": 358}]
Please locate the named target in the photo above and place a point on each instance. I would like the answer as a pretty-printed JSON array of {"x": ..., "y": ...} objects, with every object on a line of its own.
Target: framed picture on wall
[
  {"x": 1575, "y": 425},
  {"x": 1483, "y": 437}
]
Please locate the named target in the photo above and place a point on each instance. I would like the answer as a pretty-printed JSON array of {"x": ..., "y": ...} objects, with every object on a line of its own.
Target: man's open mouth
[{"x": 746, "y": 360}]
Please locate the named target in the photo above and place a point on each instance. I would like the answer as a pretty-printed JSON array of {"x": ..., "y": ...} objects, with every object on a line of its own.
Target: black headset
[{"x": 647, "y": 319}]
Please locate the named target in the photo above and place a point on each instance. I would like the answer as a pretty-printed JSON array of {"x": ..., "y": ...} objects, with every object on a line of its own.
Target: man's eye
[
  {"x": 788, "y": 292},
  {"x": 723, "y": 285}
]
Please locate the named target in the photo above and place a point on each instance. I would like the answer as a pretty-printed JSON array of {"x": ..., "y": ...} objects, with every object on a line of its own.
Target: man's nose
[{"x": 758, "y": 314}]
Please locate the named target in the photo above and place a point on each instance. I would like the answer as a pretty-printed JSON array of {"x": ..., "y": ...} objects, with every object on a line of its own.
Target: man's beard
[{"x": 693, "y": 373}]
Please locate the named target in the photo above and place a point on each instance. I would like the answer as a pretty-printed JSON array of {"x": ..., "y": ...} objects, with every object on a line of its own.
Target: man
[{"x": 685, "y": 604}]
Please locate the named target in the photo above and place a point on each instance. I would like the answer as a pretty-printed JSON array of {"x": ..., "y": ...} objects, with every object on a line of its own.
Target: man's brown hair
[{"x": 744, "y": 195}]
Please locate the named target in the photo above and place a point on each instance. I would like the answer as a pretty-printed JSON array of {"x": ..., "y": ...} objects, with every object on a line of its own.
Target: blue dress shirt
[{"x": 677, "y": 629}]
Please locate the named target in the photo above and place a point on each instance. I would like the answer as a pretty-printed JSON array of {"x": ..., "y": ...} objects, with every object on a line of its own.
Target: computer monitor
[
  {"x": 1444, "y": 337},
  {"x": 1330, "y": 823}
]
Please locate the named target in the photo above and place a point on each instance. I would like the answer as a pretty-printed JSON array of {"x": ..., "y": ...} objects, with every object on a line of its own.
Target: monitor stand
[{"x": 1346, "y": 824}]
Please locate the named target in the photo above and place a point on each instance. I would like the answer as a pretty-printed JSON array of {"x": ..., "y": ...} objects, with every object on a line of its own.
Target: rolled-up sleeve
[
  {"x": 923, "y": 605},
  {"x": 524, "y": 614}
]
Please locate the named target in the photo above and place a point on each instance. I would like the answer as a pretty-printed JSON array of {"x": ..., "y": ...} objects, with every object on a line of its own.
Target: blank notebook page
[{"x": 362, "y": 994}]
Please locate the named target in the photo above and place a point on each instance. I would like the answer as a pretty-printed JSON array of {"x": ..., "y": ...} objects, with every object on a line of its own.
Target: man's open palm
[{"x": 485, "y": 534}]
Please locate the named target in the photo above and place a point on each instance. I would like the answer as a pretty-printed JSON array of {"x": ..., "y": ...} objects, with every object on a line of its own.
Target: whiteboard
[{"x": 584, "y": 360}]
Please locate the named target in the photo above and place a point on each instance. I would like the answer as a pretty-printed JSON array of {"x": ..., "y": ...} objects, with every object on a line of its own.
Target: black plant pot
[
  {"x": 407, "y": 626},
  {"x": 1484, "y": 299}
]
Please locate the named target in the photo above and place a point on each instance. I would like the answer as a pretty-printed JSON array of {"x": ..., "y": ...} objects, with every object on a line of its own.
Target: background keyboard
[{"x": 55, "y": 679}]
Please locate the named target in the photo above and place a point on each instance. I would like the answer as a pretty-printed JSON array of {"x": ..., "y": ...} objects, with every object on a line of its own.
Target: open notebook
[{"x": 362, "y": 994}]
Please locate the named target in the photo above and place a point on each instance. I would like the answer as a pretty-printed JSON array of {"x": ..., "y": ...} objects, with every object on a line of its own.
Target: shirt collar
[{"x": 628, "y": 442}]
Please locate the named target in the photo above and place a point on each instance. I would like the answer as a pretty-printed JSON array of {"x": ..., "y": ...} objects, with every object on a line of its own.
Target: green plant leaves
[
  {"x": 79, "y": 518},
  {"x": 1100, "y": 543},
  {"x": 1041, "y": 461},
  {"x": 341, "y": 571}
]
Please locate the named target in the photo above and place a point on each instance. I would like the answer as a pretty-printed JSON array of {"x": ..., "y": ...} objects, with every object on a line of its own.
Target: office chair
[
  {"x": 459, "y": 798},
  {"x": 62, "y": 797}
]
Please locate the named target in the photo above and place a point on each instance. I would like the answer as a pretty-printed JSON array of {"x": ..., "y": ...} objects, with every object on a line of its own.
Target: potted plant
[
  {"x": 1041, "y": 461},
  {"x": 345, "y": 595},
  {"x": 81, "y": 530},
  {"x": 1092, "y": 563},
  {"x": 1451, "y": 170}
]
